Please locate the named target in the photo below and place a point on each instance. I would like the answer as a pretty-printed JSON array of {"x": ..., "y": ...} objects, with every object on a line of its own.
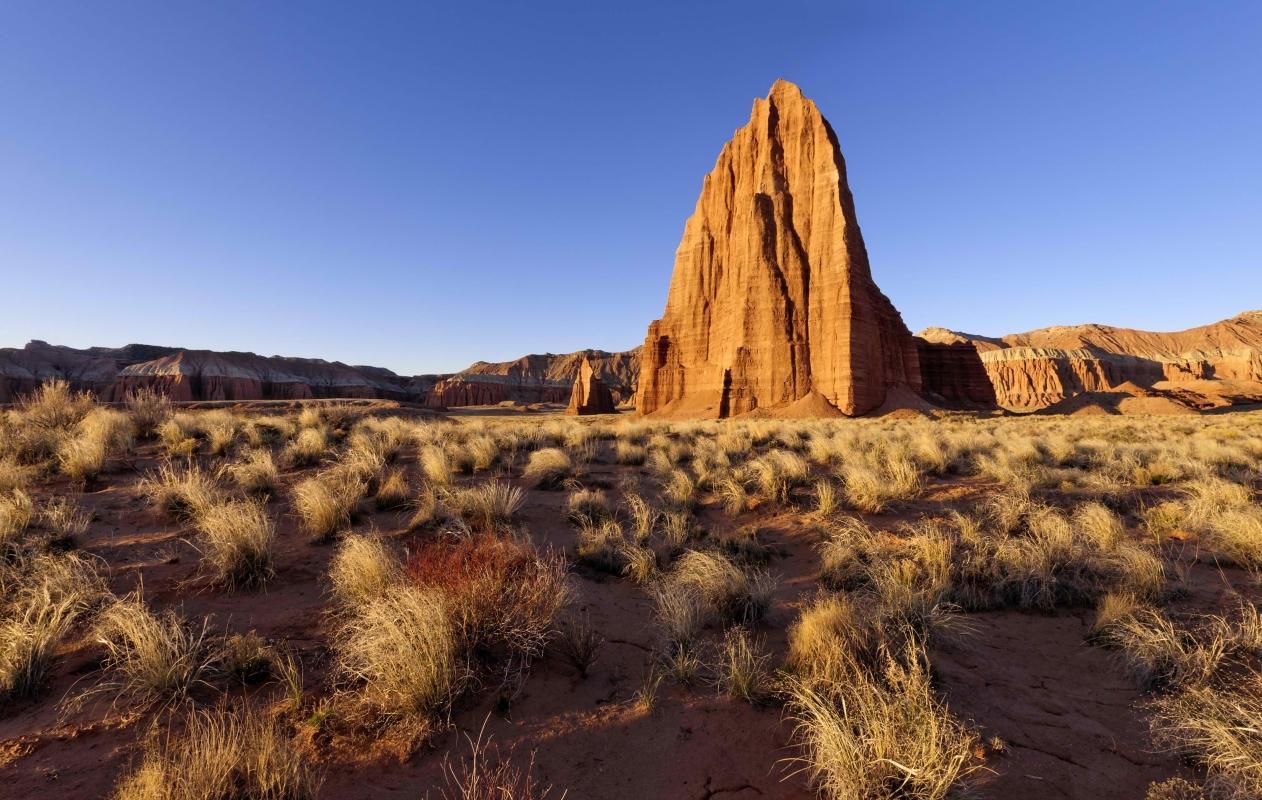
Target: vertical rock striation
[
  {"x": 589, "y": 395},
  {"x": 772, "y": 305}
]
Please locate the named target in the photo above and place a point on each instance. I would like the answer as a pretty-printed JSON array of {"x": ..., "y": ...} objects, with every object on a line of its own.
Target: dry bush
[
  {"x": 220, "y": 427},
  {"x": 255, "y": 472},
  {"x": 549, "y": 468},
  {"x": 501, "y": 594},
  {"x": 578, "y": 643},
  {"x": 246, "y": 658},
  {"x": 678, "y": 527},
  {"x": 148, "y": 408},
  {"x": 363, "y": 568},
  {"x": 65, "y": 521},
  {"x": 326, "y": 503},
  {"x": 426, "y": 510},
  {"x": 101, "y": 433},
  {"x": 743, "y": 671},
  {"x": 53, "y": 406},
  {"x": 777, "y": 473},
  {"x": 1111, "y": 610},
  {"x": 879, "y": 734},
  {"x": 15, "y": 475},
  {"x": 236, "y": 543},
  {"x": 402, "y": 651},
  {"x": 587, "y": 504},
  {"x": 151, "y": 656},
  {"x": 1217, "y": 727},
  {"x": 642, "y": 564},
  {"x": 731, "y": 492},
  {"x": 487, "y": 774},
  {"x": 679, "y": 613},
  {"x": 182, "y": 493},
  {"x": 487, "y": 507},
  {"x": 484, "y": 451},
  {"x": 394, "y": 491},
  {"x": 1235, "y": 536},
  {"x": 221, "y": 754}
]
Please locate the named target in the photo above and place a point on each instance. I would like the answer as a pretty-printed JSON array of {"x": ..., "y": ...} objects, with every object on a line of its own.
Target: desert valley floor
[{"x": 352, "y": 600}]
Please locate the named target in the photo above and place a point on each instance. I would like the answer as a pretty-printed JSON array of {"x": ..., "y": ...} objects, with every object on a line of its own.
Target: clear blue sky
[{"x": 419, "y": 185}]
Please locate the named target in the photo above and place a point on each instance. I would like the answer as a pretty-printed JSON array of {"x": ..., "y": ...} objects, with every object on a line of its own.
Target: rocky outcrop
[
  {"x": 589, "y": 395},
  {"x": 772, "y": 305},
  {"x": 952, "y": 375},
  {"x": 111, "y": 373},
  {"x": 1203, "y": 367}
]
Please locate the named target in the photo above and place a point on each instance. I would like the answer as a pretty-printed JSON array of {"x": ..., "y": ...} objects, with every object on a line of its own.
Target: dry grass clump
[
  {"x": 549, "y": 468},
  {"x": 578, "y": 643},
  {"x": 220, "y": 428},
  {"x": 502, "y": 594},
  {"x": 326, "y": 502},
  {"x": 1159, "y": 655},
  {"x": 484, "y": 451},
  {"x": 743, "y": 667},
  {"x": 642, "y": 517},
  {"x": 151, "y": 656},
  {"x": 602, "y": 545},
  {"x": 394, "y": 491},
  {"x": 402, "y": 652},
  {"x": 236, "y": 543},
  {"x": 487, "y": 507},
  {"x": 872, "y": 484},
  {"x": 777, "y": 473},
  {"x": 435, "y": 465},
  {"x": 879, "y": 733},
  {"x": 255, "y": 472},
  {"x": 679, "y": 489},
  {"x": 309, "y": 447},
  {"x": 363, "y": 569},
  {"x": 1217, "y": 727},
  {"x": 98, "y": 435},
  {"x": 487, "y": 774},
  {"x": 221, "y": 754},
  {"x": 629, "y": 453},
  {"x": 182, "y": 493},
  {"x": 16, "y": 512},
  {"x": 720, "y": 589},
  {"x": 587, "y": 504},
  {"x": 41, "y": 598}
]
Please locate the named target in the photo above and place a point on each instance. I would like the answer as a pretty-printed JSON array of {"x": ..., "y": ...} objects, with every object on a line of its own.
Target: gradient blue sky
[{"x": 420, "y": 185}]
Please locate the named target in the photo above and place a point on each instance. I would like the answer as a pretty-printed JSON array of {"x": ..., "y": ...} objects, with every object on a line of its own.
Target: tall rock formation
[
  {"x": 772, "y": 304},
  {"x": 590, "y": 395}
]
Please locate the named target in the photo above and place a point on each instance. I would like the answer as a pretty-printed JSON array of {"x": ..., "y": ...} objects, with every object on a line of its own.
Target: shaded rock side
[
  {"x": 772, "y": 297},
  {"x": 589, "y": 395}
]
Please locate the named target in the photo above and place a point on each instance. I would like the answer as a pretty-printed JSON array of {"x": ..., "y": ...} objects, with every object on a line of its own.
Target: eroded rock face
[
  {"x": 589, "y": 395},
  {"x": 1203, "y": 367},
  {"x": 772, "y": 300},
  {"x": 111, "y": 373}
]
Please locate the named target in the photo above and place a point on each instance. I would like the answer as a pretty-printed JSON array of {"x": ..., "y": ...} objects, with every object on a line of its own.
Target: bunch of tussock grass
[
  {"x": 218, "y": 754},
  {"x": 402, "y": 652},
  {"x": 643, "y": 517},
  {"x": 549, "y": 468},
  {"x": 629, "y": 453},
  {"x": 151, "y": 657},
  {"x": 44, "y": 596},
  {"x": 602, "y": 544},
  {"x": 308, "y": 448},
  {"x": 870, "y": 487},
  {"x": 1159, "y": 655},
  {"x": 54, "y": 406},
  {"x": 182, "y": 493},
  {"x": 578, "y": 643},
  {"x": 1217, "y": 728},
  {"x": 325, "y": 503},
  {"x": 679, "y": 489},
  {"x": 724, "y": 591},
  {"x": 879, "y": 733},
  {"x": 255, "y": 472},
  {"x": 394, "y": 491},
  {"x": 743, "y": 671},
  {"x": 590, "y": 504},
  {"x": 236, "y": 543},
  {"x": 363, "y": 569},
  {"x": 488, "y": 507},
  {"x": 435, "y": 465},
  {"x": 488, "y": 774},
  {"x": 16, "y": 512}
]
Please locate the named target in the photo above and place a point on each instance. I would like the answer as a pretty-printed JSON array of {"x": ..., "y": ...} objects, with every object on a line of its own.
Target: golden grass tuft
[{"x": 236, "y": 543}]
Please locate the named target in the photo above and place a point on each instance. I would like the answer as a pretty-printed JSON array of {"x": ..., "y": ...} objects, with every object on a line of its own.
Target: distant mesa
[
  {"x": 589, "y": 395},
  {"x": 772, "y": 306}
]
